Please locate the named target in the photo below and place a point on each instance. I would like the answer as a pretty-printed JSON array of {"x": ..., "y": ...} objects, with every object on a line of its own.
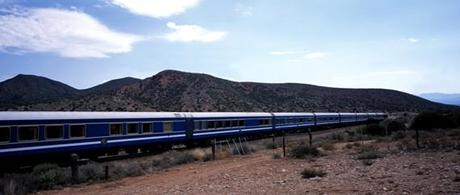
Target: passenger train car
[{"x": 43, "y": 133}]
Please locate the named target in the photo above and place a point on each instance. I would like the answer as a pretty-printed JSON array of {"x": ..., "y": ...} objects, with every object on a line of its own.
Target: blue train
[{"x": 42, "y": 133}]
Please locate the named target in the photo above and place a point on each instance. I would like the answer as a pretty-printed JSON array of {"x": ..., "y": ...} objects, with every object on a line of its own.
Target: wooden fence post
[{"x": 284, "y": 144}]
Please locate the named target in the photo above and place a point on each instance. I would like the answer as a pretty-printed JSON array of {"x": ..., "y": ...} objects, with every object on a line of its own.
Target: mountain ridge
[{"x": 172, "y": 90}]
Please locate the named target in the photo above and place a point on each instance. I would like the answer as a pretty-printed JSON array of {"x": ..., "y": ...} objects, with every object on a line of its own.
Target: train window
[
  {"x": 228, "y": 123},
  {"x": 241, "y": 123},
  {"x": 235, "y": 123},
  {"x": 116, "y": 129},
  {"x": 265, "y": 122},
  {"x": 54, "y": 132},
  {"x": 167, "y": 127},
  {"x": 219, "y": 124},
  {"x": 133, "y": 128},
  {"x": 197, "y": 125},
  {"x": 280, "y": 121},
  {"x": 27, "y": 133},
  {"x": 4, "y": 134},
  {"x": 146, "y": 127},
  {"x": 211, "y": 125},
  {"x": 77, "y": 131}
]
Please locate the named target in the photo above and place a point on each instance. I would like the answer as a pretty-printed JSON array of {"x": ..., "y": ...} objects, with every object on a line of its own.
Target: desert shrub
[
  {"x": 431, "y": 143},
  {"x": 246, "y": 148},
  {"x": 349, "y": 146},
  {"x": 328, "y": 146},
  {"x": 91, "y": 172},
  {"x": 271, "y": 145},
  {"x": 357, "y": 144},
  {"x": 338, "y": 136},
  {"x": 431, "y": 120},
  {"x": 369, "y": 155},
  {"x": 350, "y": 133},
  {"x": 17, "y": 184},
  {"x": 198, "y": 153},
  {"x": 399, "y": 135},
  {"x": 120, "y": 170},
  {"x": 374, "y": 129},
  {"x": 46, "y": 176},
  {"x": 302, "y": 151},
  {"x": 309, "y": 173},
  {"x": 368, "y": 152},
  {"x": 367, "y": 162},
  {"x": 276, "y": 156},
  {"x": 207, "y": 157},
  {"x": 395, "y": 126},
  {"x": 406, "y": 143},
  {"x": 454, "y": 133},
  {"x": 172, "y": 158}
]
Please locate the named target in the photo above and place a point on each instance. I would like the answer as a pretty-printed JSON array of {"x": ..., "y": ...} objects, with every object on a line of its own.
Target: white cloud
[
  {"x": 189, "y": 33},
  {"x": 412, "y": 40},
  {"x": 289, "y": 52},
  {"x": 393, "y": 73},
  {"x": 315, "y": 55},
  {"x": 68, "y": 33},
  {"x": 156, "y": 8},
  {"x": 244, "y": 10}
]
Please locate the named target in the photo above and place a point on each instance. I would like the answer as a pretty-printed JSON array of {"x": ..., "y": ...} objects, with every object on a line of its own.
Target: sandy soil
[{"x": 397, "y": 173}]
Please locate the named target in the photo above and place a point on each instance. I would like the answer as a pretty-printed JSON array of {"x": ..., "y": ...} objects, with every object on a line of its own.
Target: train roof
[
  {"x": 293, "y": 114},
  {"x": 18, "y": 115},
  {"x": 71, "y": 115}
]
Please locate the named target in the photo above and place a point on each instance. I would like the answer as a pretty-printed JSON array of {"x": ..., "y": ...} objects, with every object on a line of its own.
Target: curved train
[{"x": 25, "y": 134}]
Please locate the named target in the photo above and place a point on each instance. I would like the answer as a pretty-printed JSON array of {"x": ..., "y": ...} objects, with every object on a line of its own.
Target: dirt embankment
[{"x": 431, "y": 172}]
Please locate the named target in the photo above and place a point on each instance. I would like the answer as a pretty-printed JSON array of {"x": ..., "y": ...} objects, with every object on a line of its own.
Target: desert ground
[{"x": 399, "y": 170}]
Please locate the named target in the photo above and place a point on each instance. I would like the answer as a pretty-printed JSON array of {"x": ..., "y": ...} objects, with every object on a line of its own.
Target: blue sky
[{"x": 409, "y": 45}]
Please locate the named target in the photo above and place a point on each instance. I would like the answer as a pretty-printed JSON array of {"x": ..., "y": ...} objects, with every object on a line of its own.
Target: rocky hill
[
  {"x": 179, "y": 91},
  {"x": 110, "y": 86},
  {"x": 30, "y": 89}
]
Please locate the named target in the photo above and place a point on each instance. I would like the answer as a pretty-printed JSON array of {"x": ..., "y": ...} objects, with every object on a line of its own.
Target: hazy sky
[{"x": 412, "y": 46}]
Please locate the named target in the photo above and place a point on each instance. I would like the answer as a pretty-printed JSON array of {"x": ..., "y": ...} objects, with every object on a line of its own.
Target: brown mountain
[
  {"x": 110, "y": 86},
  {"x": 30, "y": 89},
  {"x": 179, "y": 91}
]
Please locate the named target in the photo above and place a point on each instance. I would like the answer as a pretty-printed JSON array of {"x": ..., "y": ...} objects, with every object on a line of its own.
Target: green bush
[
  {"x": 395, "y": 126},
  {"x": 48, "y": 175},
  {"x": 309, "y": 173},
  {"x": 367, "y": 162},
  {"x": 369, "y": 155},
  {"x": 432, "y": 120},
  {"x": 368, "y": 152},
  {"x": 172, "y": 158},
  {"x": 91, "y": 172},
  {"x": 120, "y": 170},
  {"x": 399, "y": 135},
  {"x": 374, "y": 129},
  {"x": 302, "y": 151},
  {"x": 338, "y": 136},
  {"x": 271, "y": 145}
]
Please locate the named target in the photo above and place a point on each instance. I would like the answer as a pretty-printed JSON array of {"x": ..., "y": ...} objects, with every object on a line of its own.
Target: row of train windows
[
  {"x": 218, "y": 124},
  {"x": 328, "y": 118},
  {"x": 29, "y": 133},
  {"x": 294, "y": 120},
  {"x": 134, "y": 128}
]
